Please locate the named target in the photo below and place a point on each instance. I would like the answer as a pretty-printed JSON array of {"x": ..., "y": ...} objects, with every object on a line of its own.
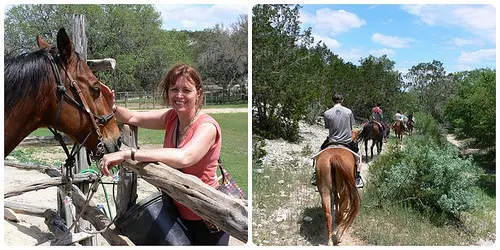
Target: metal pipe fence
[{"x": 154, "y": 100}]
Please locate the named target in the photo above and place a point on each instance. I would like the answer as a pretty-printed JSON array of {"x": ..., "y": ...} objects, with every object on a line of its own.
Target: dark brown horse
[
  {"x": 54, "y": 87},
  {"x": 398, "y": 128},
  {"x": 410, "y": 124},
  {"x": 335, "y": 168},
  {"x": 372, "y": 131}
]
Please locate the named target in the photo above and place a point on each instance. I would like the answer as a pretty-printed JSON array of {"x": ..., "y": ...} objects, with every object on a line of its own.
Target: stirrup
[{"x": 361, "y": 183}]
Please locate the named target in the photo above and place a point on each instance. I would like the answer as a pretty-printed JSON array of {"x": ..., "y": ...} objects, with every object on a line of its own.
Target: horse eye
[{"x": 96, "y": 90}]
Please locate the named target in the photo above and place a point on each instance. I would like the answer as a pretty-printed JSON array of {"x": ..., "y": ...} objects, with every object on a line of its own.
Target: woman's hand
[
  {"x": 110, "y": 160},
  {"x": 109, "y": 95}
]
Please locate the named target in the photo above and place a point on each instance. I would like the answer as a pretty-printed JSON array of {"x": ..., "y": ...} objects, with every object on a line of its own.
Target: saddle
[
  {"x": 357, "y": 157},
  {"x": 377, "y": 122}
]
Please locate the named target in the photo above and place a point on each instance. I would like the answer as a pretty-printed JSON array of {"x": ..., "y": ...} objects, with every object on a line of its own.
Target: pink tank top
[{"x": 206, "y": 168}]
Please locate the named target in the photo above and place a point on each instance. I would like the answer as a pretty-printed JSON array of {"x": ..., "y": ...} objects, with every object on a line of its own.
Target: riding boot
[
  {"x": 314, "y": 178},
  {"x": 359, "y": 180}
]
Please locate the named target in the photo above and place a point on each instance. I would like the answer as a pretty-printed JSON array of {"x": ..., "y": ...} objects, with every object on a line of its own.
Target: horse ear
[
  {"x": 64, "y": 45},
  {"x": 106, "y": 92},
  {"x": 41, "y": 43}
]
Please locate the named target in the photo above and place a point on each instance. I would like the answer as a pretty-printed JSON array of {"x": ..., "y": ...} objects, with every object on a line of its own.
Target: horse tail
[{"x": 348, "y": 192}]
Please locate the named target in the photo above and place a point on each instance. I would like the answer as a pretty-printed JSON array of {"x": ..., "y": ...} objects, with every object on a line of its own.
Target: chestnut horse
[
  {"x": 372, "y": 131},
  {"x": 335, "y": 169},
  {"x": 54, "y": 87},
  {"x": 398, "y": 128}
]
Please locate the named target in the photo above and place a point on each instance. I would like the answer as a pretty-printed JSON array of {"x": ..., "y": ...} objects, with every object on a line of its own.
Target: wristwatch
[{"x": 132, "y": 153}]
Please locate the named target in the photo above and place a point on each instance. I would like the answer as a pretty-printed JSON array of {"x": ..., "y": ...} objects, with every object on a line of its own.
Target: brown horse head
[
  {"x": 54, "y": 87},
  {"x": 355, "y": 134}
]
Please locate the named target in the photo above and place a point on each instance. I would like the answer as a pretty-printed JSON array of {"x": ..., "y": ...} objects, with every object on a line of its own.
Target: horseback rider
[
  {"x": 400, "y": 117},
  {"x": 378, "y": 116},
  {"x": 339, "y": 121}
]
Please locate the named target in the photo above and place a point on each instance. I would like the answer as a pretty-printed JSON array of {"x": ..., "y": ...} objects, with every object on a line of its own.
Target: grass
[
  {"x": 282, "y": 198},
  {"x": 224, "y": 106},
  {"x": 149, "y": 105},
  {"x": 395, "y": 225}
]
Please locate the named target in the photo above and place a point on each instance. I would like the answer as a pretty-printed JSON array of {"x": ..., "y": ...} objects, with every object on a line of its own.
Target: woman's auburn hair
[{"x": 177, "y": 72}]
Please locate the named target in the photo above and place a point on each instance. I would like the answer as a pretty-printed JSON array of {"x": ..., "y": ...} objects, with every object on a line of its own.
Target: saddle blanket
[{"x": 356, "y": 155}]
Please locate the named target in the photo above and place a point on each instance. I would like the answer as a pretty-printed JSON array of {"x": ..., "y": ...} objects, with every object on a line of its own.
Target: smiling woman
[{"x": 192, "y": 144}]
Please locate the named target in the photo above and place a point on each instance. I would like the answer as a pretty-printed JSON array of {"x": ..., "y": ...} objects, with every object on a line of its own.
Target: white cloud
[
  {"x": 331, "y": 22},
  {"x": 477, "y": 56},
  {"x": 476, "y": 19},
  {"x": 458, "y": 41},
  {"x": 392, "y": 41},
  {"x": 381, "y": 52},
  {"x": 351, "y": 55},
  {"x": 462, "y": 67},
  {"x": 330, "y": 42},
  {"x": 199, "y": 17},
  {"x": 403, "y": 70}
]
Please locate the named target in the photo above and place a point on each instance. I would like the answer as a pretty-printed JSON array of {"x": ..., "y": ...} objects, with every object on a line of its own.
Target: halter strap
[{"x": 61, "y": 91}]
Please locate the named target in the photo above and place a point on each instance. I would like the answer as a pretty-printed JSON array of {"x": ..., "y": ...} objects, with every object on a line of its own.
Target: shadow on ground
[{"x": 314, "y": 231}]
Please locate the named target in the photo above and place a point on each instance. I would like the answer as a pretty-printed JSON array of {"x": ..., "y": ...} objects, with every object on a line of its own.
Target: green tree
[
  {"x": 280, "y": 86},
  {"x": 472, "y": 111},
  {"x": 222, "y": 54},
  {"x": 432, "y": 86},
  {"x": 379, "y": 83}
]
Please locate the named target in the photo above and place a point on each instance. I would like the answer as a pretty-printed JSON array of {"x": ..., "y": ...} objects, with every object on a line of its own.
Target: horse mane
[{"x": 24, "y": 76}]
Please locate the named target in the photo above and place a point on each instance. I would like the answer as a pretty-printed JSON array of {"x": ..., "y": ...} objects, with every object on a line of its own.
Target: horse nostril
[{"x": 119, "y": 142}]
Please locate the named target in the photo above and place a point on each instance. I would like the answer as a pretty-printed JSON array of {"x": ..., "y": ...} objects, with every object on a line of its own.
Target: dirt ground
[{"x": 31, "y": 230}]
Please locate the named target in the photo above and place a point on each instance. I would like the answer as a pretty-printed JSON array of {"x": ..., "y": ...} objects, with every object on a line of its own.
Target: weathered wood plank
[
  {"x": 105, "y": 64},
  {"x": 42, "y": 184},
  {"x": 68, "y": 240},
  {"x": 46, "y": 140},
  {"x": 52, "y": 171},
  {"x": 27, "y": 209}
]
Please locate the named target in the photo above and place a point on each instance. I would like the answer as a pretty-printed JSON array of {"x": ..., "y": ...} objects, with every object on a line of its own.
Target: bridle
[
  {"x": 97, "y": 121},
  {"x": 82, "y": 105}
]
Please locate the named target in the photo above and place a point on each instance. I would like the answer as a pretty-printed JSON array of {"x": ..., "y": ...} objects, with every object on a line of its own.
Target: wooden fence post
[{"x": 80, "y": 43}]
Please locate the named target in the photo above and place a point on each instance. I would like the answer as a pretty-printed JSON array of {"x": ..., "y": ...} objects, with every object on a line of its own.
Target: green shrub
[
  {"x": 427, "y": 177},
  {"x": 427, "y": 125},
  {"x": 258, "y": 151}
]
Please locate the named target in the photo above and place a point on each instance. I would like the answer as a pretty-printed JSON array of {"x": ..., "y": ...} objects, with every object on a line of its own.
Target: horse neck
[
  {"x": 27, "y": 109},
  {"x": 18, "y": 125}
]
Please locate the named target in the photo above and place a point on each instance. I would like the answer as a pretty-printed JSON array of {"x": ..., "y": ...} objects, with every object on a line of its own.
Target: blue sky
[
  {"x": 199, "y": 17},
  {"x": 462, "y": 37}
]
